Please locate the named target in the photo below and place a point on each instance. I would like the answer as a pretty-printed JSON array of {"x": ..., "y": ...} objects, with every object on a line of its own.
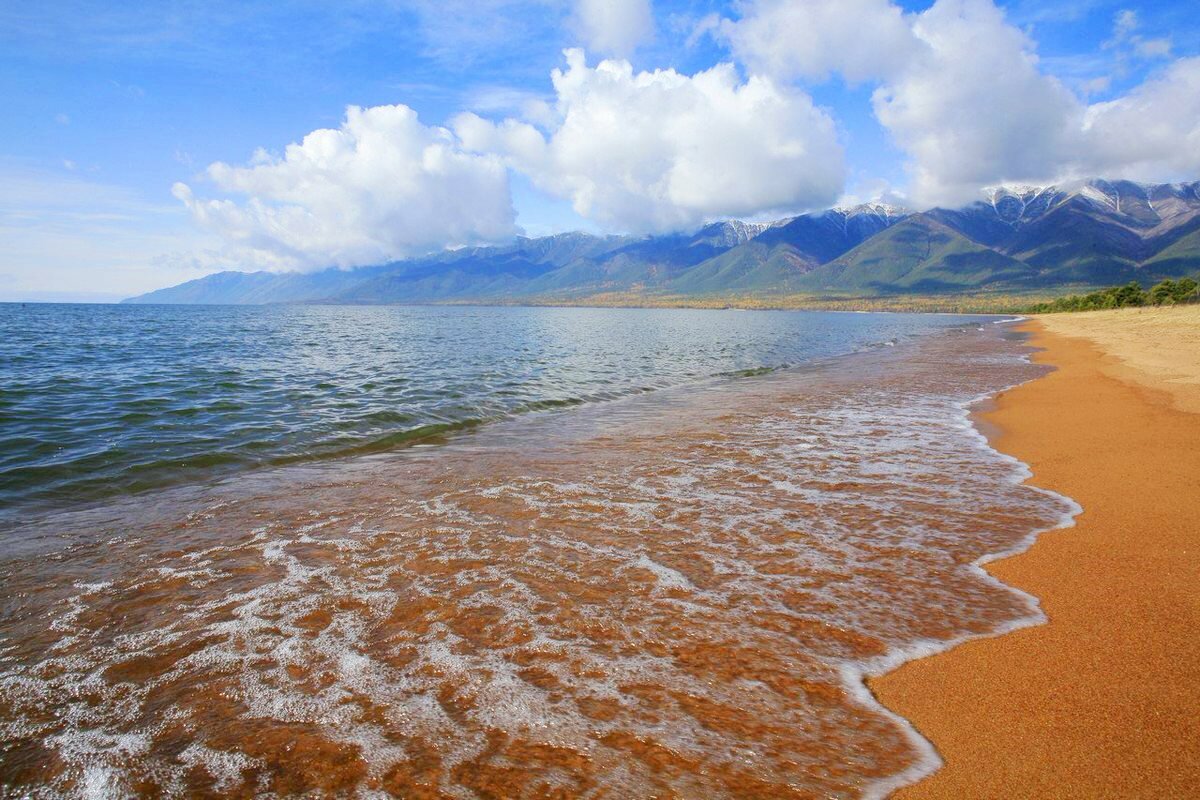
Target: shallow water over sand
[{"x": 672, "y": 595}]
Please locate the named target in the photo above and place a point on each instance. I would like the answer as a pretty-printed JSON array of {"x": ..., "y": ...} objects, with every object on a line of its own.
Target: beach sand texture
[
  {"x": 1102, "y": 701},
  {"x": 1155, "y": 347}
]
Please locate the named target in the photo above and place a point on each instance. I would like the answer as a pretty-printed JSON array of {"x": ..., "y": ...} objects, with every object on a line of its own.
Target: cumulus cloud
[
  {"x": 1151, "y": 133},
  {"x": 962, "y": 93},
  {"x": 859, "y": 39},
  {"x": 971, "y": 106},
  {"x": 661, "y": 150},
  {"x": 614, "y": 27},
  {"x": 381, "y": 187}
]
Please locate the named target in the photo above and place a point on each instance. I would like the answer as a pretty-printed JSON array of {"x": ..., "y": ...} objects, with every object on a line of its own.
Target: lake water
[
  {"x": 104, "y": 400},
  {"x": 473, "y": 552}
]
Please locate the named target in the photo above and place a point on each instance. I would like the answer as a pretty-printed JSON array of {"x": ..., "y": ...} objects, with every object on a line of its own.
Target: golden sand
[
  {"x": 1104, "y": 700},
  {"x": 1156, "y": 347}
]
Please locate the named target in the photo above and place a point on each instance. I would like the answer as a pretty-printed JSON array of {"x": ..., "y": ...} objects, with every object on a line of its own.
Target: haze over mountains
[{"x": 1089, "y": 233}]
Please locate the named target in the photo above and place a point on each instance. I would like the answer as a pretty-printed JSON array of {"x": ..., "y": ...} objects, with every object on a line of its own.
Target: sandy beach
[{"x": 1103, "y": 700}]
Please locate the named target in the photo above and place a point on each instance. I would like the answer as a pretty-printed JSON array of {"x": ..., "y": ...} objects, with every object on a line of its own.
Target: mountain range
[{"x": 1016, "y": 239}]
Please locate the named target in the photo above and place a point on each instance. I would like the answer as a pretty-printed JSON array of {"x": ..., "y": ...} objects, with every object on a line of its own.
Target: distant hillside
[
  {"x": 1089, "y": 233},
  {"x": 918, "y": 255}
]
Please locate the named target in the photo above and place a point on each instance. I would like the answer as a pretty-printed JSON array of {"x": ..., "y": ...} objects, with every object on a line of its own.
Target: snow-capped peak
[
  {"x": 730, "y": 233},
  {"x": 876, "y": 208}
]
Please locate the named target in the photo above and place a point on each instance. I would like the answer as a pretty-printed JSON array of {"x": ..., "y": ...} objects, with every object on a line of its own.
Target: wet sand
[{"x": 1102, "y": 701}]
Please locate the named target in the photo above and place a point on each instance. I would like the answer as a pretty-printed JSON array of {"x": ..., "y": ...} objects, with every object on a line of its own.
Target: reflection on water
[
  {"x": 99, "y": 401},
  {"x": 668, "y": 596}
]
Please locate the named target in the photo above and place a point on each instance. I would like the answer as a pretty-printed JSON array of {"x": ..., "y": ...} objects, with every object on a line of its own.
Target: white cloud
[
  {"x": 1153, "y": 48},
  {"x": 960, "y": 90},
  {"x": 1152, "y": 133},
  {"x": 859, "y": 39},
  {"x": 962, "y": 93},
  {"x": 972, "y": 108},
  {"x": 1124, "y": 23},
  {"x": 531, "y": 106},
  {"x": 614, "y": 27},
  {"x": 1127, "y": 42},
  {"x": 380, "y": 187},
  {"x": 1096, "y": 85},
  {"x": 661, "y": 150}
]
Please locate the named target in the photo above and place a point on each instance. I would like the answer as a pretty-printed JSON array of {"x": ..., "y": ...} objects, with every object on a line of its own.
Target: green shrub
[
  {"x": 1167, "y": 292},
  {"x": 1171, "y": 292}
]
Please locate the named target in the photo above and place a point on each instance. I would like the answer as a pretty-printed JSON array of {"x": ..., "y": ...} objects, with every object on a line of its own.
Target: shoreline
[
  {"x": 899, "y": 304},
  {"x": 1100, "y": 701},
  {"x": 861, "y": 681}
]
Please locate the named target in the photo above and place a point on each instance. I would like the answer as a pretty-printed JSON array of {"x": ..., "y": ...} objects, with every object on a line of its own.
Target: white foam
[
  {"x": 855, "y": 676},
  {"x": 101, "y": 783},
  {"x": 667, "y": 577},
  {"x": 225, "y": 767}
]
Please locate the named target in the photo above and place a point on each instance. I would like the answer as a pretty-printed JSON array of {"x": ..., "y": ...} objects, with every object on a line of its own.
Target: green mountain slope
[
  {"x": 1181, "y": 258},
  {"x": 753, "y": 267},
  {"x": 1074, "y": 244},
  {"x": 778, "y": 258},
  {"x": 918, "y": 254}
]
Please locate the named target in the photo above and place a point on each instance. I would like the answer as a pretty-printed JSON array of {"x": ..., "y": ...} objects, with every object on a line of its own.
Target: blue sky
[{"x": 110, "y": 105}]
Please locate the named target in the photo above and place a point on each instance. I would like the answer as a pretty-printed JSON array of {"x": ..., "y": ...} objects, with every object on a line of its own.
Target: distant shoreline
[{"x": 902, "y": 304}]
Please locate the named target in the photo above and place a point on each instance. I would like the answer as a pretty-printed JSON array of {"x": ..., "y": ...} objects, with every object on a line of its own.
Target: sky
[{"x": 146, "y": 144}]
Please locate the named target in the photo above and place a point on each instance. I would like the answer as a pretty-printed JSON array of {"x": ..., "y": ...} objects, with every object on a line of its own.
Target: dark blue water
[{"x": 97, "y": 401}]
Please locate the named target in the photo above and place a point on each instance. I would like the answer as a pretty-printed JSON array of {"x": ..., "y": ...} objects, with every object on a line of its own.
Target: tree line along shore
[{"x": 1164, "y": 293}]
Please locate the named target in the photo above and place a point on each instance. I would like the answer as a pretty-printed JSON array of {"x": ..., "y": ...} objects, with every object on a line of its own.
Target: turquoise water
[{"x": 97, "y": 401}]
